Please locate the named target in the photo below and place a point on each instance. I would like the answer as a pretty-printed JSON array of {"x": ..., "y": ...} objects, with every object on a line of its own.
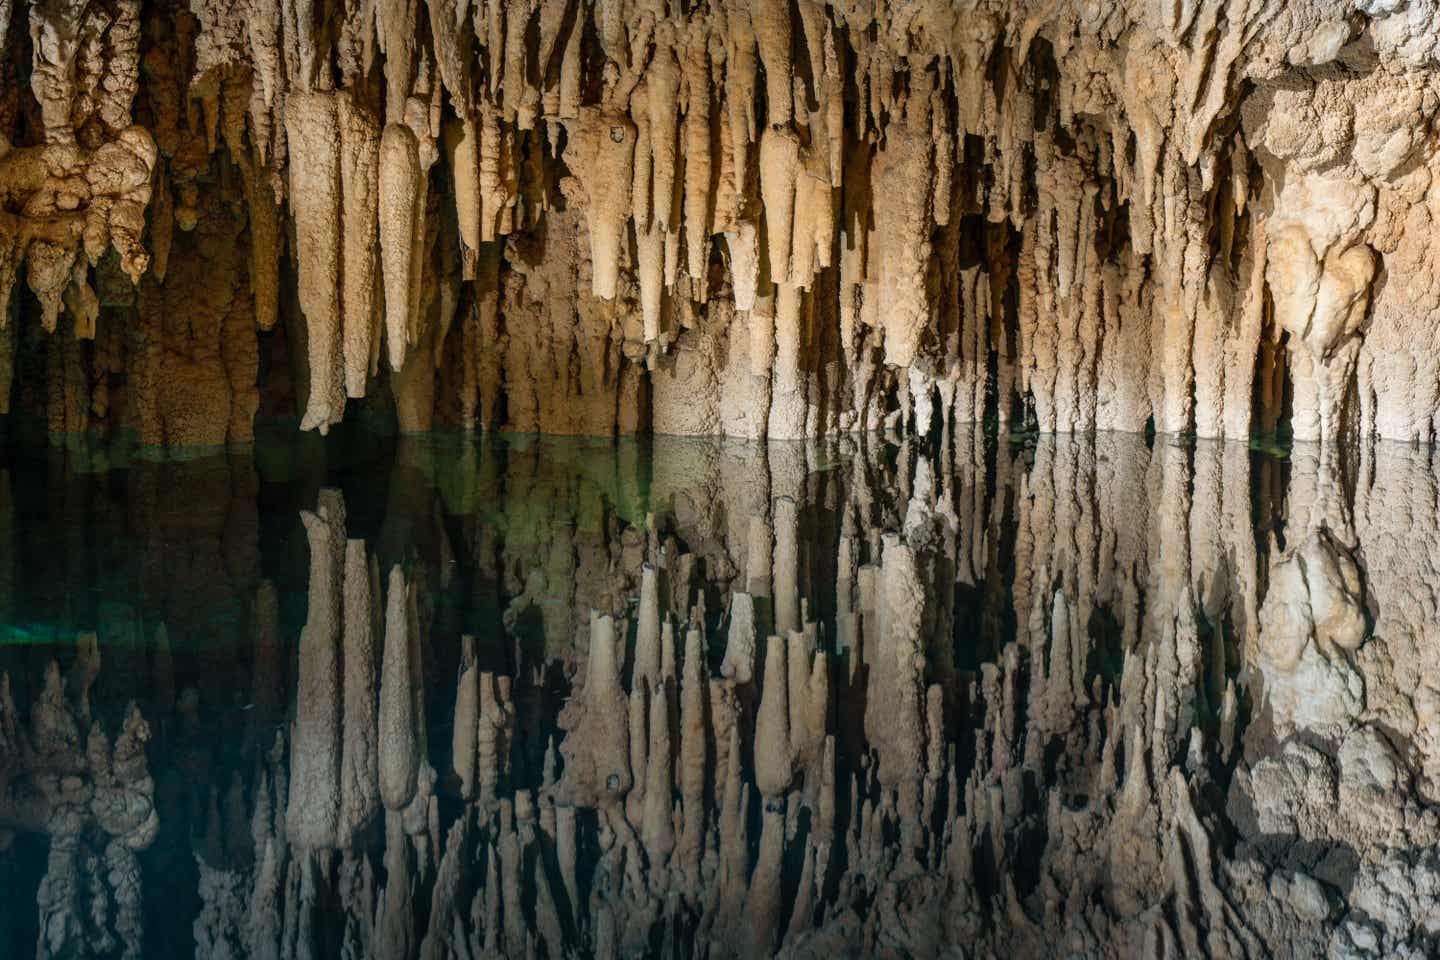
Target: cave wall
[{"x": 732, "y": 217}]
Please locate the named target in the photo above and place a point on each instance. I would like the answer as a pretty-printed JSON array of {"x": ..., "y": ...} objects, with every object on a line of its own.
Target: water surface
[{"x": 1094, "y": 695}]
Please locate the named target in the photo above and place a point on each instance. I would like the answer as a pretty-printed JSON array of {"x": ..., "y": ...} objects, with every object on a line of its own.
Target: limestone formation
[{"x": 730, "y": 217}]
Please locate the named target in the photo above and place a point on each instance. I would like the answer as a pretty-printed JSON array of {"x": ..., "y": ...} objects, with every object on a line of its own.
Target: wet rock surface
[{"x": 446, "y": 697}]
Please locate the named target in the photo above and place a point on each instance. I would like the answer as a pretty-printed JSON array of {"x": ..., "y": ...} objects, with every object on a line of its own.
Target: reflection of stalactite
[
  {"x": 94, "y": 798},
  {"x": 359, "y": 779},
  {"x": 315, "y": 741},
  {"x": 639, "y": 758},
  {"x": 892, "y": 784}
]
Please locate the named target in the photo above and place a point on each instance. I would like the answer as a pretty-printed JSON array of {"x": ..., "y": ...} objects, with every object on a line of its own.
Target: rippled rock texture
[
  {"x": 1095, "y": 696},
  {"x": 724, "y": 217}
]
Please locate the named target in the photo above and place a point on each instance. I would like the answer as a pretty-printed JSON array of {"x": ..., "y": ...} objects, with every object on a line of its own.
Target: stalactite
[
  {"x": 401, "y": 218},
  {"x": 605, "y": 147},
  {"x": 313, "y": 134},
  {"x": 359, "y": 162},
  {"x": 779, "y": 171}
]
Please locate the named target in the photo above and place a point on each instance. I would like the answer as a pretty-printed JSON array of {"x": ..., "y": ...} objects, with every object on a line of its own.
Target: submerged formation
[
  {"x": 1091, "y": 697},
  {"x": 730, "y": 217}
]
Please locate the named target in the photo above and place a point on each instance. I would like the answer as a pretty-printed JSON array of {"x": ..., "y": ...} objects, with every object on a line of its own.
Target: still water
[{"x": 461, "y": 697}]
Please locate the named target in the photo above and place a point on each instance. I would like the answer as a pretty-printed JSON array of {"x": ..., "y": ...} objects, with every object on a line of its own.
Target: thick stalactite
[{"x": 730, "y": 217}]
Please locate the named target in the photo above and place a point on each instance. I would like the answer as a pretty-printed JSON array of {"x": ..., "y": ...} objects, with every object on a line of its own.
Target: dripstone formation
[{"x": 738, "y": 217}]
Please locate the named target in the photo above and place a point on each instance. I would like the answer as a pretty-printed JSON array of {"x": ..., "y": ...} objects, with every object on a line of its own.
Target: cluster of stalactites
[
  {"x": 738, "y": 121},
  {"x": 670, "y": 136},
  {"x": 65, "y": 202},
  {"x": 94, "y": 798},
  {"x": 789, "y": 145},
  {"x": 642, "y": 151},
  {"x": 767, "y": 155}
]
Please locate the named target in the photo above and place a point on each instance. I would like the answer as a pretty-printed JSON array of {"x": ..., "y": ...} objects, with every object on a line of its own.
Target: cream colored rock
[
  {"x": 779, "y": 171},
  {"x": 313, "y": 134},
  {"x": 401, "y": 196},
  {"x": 605, "y": 149},
  {"x": 359, "y": 185}
]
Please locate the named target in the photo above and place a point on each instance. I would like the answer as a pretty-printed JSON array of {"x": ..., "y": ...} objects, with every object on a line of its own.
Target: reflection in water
[{"x": 554, "y": 698}]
